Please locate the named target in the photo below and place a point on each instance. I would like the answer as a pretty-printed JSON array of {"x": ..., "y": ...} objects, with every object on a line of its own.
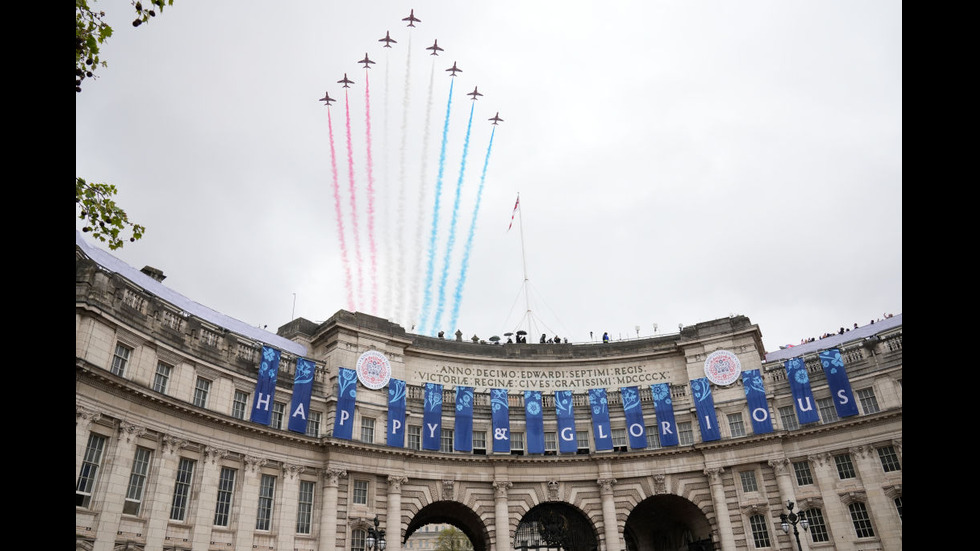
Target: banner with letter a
[
  {"x": 432, "y": 417},
  {"x": 396, "y": 413},
  {"x": 343, "y": 423},
  {"x": 567, "y": 442},
  {"x": 302, "y": 390},
  {"x": 265, "y": 386},
  {"x": 534, "y": 421},
  {"x": 601, "y": 429},
  {"x": 755, "y": 395},
  {"x": 463, "y": 435},
  {"x": 500, "y": 410},
  {"x": 664, "y": 407},
  {"x": 840, "y": 385},
  {"x": 635, "y": 426},
  {"x": 705, "y": 406},
  {"x": 799, "y": 385}
]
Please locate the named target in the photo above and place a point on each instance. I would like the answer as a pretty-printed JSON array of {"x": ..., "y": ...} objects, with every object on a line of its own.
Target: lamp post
[
  {"x": 787, "y": 520},
  {"x": 376, "y": 537}
]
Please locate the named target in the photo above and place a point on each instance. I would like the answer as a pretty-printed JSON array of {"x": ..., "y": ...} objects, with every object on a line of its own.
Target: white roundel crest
[
  {"x": 722, "y": 367},
  {"x": 373, "y": 369}
]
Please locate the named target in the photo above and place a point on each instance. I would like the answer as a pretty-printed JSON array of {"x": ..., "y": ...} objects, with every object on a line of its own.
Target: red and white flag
[{"x": 516, "y": 204}]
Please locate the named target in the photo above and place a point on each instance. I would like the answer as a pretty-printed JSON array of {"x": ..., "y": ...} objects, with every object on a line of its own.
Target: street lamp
[
  {"x": 788, "y": 520},
  {"x": 375, "y": 538}
]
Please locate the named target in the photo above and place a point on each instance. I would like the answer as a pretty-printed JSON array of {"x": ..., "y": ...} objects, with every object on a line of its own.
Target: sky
[{"x": 675, "y": 162}]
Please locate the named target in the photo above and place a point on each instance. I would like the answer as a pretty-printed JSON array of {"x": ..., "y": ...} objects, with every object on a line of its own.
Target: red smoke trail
[
  {"x": 340, "y": 217},
  {"x": 370, "y": 174},
  {"x": 353, "y": 203}
]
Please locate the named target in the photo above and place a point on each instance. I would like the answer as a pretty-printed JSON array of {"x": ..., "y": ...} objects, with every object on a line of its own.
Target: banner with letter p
[{"x": 343, "y": 423}]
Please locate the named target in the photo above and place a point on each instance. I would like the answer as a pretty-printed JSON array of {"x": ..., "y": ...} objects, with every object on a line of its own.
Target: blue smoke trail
[
  {"x": 458, "y": 297},
  {"x": 427, "y": 298},
  {"x": 452, "y": 224}
]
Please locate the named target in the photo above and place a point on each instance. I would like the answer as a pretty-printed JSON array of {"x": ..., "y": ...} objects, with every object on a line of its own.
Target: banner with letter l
[{"x": 601, "y": 429}]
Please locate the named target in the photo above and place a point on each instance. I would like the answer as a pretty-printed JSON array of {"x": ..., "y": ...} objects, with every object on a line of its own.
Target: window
[
  {"x": 582, "y": 440},
  {"x": 898, "y": 506},
  {"x": 760, "y": 531},
  {"x": 239, "y": 404},
  {"x": 861, "y": 520},
  {"x": 278, "y": 412},
  {"x": 653, "y": 438},
  {"x": 357, "y": 540},
  {"x": 845, "y": 469},
  {"x": 267, "y": 496},
  {"x": 120, "y": 359},
  {"x": 889, "y": 459},
  {"x": 446, "y": 440},
  {"x": 201, "y": 391},
  {"x": 828, "y": 413},
  {"x": 304, "y": 516},
  {"x": 162, "y": 377},
  {"x": 551, "y": 442},
  {"x": 685, "y": 434},
  {"x": 226, "y": 491},
  {"x": 182, "y": 489},
  {"x": 414, "y": 437},
  {"x": 818, "y": 527},
  {"x": 866, "y": 397},
  {"x": 787, "y": 415},
  {"x": 480, "y": 442},
  {"x": 748, "y": 481},
  {"x": 619, "y": 439},
  {"x": 804, "y": 476},
  {"x": 360, "y": 492},
  {"x": 313, "y": 424},
  {"x": 173, "y": 320},
  {"x": 90, "y": 470},
  {"x": 736, "y": 425},
  {"x": 209, "y": 337},
  {"x": 367, "y": 430},
  {"x": 517, "y": 443},
  {"x": 137, "y": 482}
]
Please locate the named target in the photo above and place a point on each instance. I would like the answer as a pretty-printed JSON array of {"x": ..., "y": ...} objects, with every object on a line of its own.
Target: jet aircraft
[
  {"x": 454, "y": 69},
  {"x": 345, "y": 81},
  {"x": 434, "y": 47},
  {"x": 473, "y": 94},
  {"x": 412, "y": 20},
  {"x": 366, "y": 61},
  {"x": 496, "y": 118},
  {"x": 388, "y": 40},
  {"x": 327, "y": 99}
]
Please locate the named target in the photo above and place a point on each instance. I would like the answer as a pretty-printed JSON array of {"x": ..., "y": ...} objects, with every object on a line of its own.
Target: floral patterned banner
[
  {"x": 432, "y": 417},
  {"x": 343, "y": 424},
  {"x": 664, "y": 407},
  {"x": 635, "y": 426},
  {"x": 500, "y": 409},
  {"x": 799, "y": 385},
  {"x": 755, "y": 395},
  {"x": 265, "y": 386},
  {"x": 840, "y": 385},
  {"x": 302, "y": 391},
  {"x": 396, "y": 413},
  {"x": 600, "y": 419},
  {"x": 534, "y": 421},
  {"x": 463, "y": 435},
  {"x": 567, "y": 442},
  {"x": 705, "y": 406}
]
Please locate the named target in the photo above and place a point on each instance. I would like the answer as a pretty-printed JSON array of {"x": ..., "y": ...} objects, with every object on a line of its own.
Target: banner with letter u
[
  {"x": 705, "y": 406},
  {"x": 755, "y": 395},
  {"x": 432, "y": 418},
  {"x": 799, "y": 385},
  {"x": 534, "y": 420},
  {"x": 265, "y": 386},
  {"x": 635, "y": 426},
  {"x": 463, "y": 434},
  {"x": 664, "y": 407},
  {"x": 567, "y": 442},
  {"x": 302, "y": 390},
  {"x": 600, "y": 419},
  {"x": 396, "y": 413},
  {"x": 343, "y": 423},
  {"x": 500, "y": 410},
  {"x": 840, "y": 385}
]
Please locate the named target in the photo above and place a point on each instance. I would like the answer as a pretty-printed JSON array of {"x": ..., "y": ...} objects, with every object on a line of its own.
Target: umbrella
[
  {"x": 495, "y": 338},
  {"x": 522, "y": 332},
  {"x": 508, "y": 334}
]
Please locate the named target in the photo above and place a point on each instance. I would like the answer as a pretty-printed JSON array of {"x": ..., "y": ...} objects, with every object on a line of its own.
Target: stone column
[
  {"x": 783, "y": 479},
  {"x": 609, "y": 522},
  {"x": 884, "y": 517},
  {"x": 328, "y": 516},
  {"x": 207, "y": 499},
  {"x": 393, "y": 530},
  {"x": 161, "y": 500},
  {"x": 83, "y": 421},
  {"x": 725, "y": 538},
  {"x": 285, "y": 525},
  {"x": 501, "y": 518},
  {"x": 116, "y": 484},
  {"x": 835, "y": 513},
  {"x": 249, "y": 509}
]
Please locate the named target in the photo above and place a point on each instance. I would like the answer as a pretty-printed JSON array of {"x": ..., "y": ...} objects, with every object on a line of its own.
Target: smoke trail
[
  {"x": 370, "y": 190},
  {"x": 415, "y": 272},
  {"x": 427, "y": 297},
  {"x": 353, "y": 203},
  {"x": 452, "y": 224},
  {"x": 340, "y": 217},
  {"x": 386, "y": 229},
  {"x": 458, "y": 297},
  {"x": 398, "y": 268}
]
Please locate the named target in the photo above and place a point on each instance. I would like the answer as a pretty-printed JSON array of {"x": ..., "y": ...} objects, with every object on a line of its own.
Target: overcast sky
[{"x": 677, "y": 162}]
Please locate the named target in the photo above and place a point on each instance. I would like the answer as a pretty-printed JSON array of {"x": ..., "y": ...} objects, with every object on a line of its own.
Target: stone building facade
[{"x": 166, "y": 457}]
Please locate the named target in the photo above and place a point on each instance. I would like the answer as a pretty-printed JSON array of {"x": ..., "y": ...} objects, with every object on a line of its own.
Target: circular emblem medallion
[
  {"x": 722, "y": 367},
  {"x": 373, "y": 369}
]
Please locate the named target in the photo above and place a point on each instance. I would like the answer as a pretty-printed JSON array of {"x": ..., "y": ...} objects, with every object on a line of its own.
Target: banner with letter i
[
  {"x": 705, "y": 406},
  {"x": 302, "y": 390},
  {"x": 396, "y": 413},
  {"x": 265, "y": 386},
  {"x": 343, "y": 423}
]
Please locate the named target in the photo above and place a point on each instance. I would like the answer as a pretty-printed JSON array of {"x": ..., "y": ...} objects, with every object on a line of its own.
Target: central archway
[
  {"x": 556, "y": 526},
  {"x": 667, "y": 523},
  {"x": 457, "y": 514}
]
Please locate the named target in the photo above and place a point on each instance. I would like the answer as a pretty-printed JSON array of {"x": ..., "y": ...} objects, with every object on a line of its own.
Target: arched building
[{"x": 194, "y": 432}]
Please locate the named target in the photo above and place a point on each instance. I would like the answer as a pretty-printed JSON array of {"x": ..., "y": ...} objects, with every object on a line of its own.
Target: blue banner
[
  {"x": 265, "y": 386},
  {"x": 567, "y": 442},
  {"x": 799, "y": 385},
  {"x": 500, "y": 409},
  {"x": 705, "y": 406},
  {"x": 840, "y": 385},
  {"x": 755, "y": 395},
  {"x": 635, "y": 425},
  {"x": 302, "y": 390},
  {"x": 343, "y": 423},
  {"x": 664, "y": 408},
  {"x": 396, "y": 413},
  {"x": 534, "y": 421},
  {"x": 463, "y": 435},
  {"x": 432, "y": 417},
  {"x": 600, "y": 419}
]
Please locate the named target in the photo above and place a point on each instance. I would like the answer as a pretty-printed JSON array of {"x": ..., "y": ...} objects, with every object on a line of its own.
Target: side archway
[
  {"x": 556, "y": 526},
  {"x": 457, "y": 514},
  {"x": 667, "y": 523}
]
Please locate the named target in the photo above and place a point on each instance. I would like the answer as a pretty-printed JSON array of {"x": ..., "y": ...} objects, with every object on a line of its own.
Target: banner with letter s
[{"x": 840, "y": 385}]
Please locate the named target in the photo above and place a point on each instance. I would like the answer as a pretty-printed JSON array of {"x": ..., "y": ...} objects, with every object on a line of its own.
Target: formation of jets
[
  {"x": 434, "y": 47},
  {"x": 366, "y": 61},
  {"x": 473, "y": 94},
  {"x": 496, "y": 118},
  {"x": 412, "y": 20},
  {"x": 345, "y": 81},
  {"x": 454, "y": 69},
  {"x": 388, "y": 40}
]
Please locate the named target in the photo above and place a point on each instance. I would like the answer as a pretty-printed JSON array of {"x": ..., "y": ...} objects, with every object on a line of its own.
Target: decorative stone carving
[
  {"x": 172, "y": 444},
  {"x": 500, "y": 488},
  {"x": 129, "y": 432},
  {"x": 86, "y": 415},
  {"x": 212, "y": 455},
  {"x": 447, "y": 489},
  {"x": 553, "y": 490},
  {"x": 606, "y": 485},
  {"x": 848, "y": 498},
  {"x": 660, "y": 484},
  {"x": 395, "y": 483},
  {"x": 780, "y": 466},
  {"x": 331, "y": 477},
  {"x": 290, "y": 471},
  {"x": 714, "y": 475},
  {"x": 252, "y": 463}
]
